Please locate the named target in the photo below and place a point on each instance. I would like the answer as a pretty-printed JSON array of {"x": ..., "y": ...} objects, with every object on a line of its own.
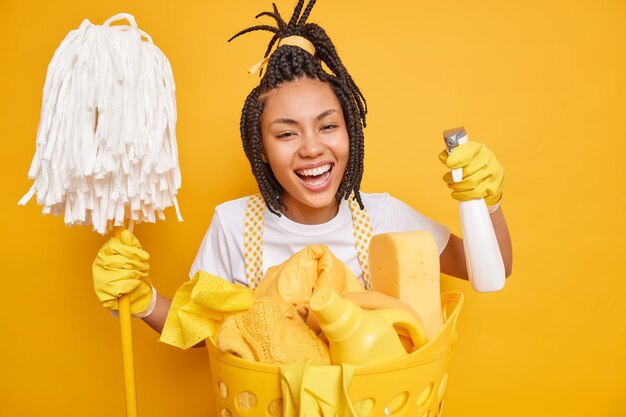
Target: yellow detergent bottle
[{"x": 362, "y": 337}]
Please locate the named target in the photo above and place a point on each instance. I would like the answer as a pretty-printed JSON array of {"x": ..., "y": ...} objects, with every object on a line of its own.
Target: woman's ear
[{"x": 263, "y": 157}]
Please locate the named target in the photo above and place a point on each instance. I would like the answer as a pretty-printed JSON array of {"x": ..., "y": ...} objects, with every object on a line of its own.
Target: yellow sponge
[{"x": 405, "y": 265}]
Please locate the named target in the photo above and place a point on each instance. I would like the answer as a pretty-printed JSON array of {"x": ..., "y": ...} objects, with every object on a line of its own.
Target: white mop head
[{"x": 106, "y": 143}]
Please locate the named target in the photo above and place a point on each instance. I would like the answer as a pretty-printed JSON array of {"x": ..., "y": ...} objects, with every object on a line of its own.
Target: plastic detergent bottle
[{"x": 362, "y": 337}]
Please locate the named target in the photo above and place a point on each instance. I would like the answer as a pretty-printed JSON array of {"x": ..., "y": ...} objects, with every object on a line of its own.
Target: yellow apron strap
[
  {"x": 362, "y": 231},
  {"x": 253, "y": 239}
]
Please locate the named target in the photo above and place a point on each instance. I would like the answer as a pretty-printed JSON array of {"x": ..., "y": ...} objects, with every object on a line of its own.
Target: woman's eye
[
  {"x": 329, "y": 127},
  {"x": 285, "y": 135}
]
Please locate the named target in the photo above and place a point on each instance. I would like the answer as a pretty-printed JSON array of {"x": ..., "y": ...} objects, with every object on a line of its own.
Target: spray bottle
[
  {"x": 482, "y": 253},
  {"x": 362, "y": 337}
]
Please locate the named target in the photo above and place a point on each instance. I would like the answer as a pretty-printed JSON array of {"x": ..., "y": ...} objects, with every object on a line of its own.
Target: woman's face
[{"x": 306, "y": 143}]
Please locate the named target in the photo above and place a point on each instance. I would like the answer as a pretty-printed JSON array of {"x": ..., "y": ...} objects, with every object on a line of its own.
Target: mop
[{"x": 106, "y": 149}]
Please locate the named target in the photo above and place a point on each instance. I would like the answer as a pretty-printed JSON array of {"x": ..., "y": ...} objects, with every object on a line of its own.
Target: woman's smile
[{"x": 317, "y": 178}]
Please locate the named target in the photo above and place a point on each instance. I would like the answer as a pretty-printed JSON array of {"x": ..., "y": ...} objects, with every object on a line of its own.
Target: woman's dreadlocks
[{"x": 288, "y": 63}]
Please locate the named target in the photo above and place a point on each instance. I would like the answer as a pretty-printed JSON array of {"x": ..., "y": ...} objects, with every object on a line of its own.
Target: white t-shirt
[{"x": 221, "y": 252}]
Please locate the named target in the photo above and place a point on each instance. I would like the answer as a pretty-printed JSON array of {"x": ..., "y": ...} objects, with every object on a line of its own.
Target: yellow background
[{"x": 542, "y": 83}]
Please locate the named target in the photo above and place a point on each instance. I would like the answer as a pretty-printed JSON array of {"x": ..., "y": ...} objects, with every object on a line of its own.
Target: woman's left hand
[{"x": 482, "y": 173}]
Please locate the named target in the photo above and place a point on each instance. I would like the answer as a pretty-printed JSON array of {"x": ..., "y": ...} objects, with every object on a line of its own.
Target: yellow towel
[
  {"x": 264, "y": 334},
  {"x": 199, "y": 306},
  {"x": 314, "y": 391},
  {"x": 293, "y": 282}
]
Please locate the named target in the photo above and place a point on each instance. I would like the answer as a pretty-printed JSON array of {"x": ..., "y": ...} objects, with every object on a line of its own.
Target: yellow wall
[{"x": 541, "y": 82}]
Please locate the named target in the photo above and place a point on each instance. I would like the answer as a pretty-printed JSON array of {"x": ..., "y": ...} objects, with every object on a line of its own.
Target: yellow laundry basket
[{"x": 412, "y": 386}]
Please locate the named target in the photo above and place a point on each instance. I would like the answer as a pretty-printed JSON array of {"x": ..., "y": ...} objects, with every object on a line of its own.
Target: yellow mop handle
[{"x": 127, "y": 356}]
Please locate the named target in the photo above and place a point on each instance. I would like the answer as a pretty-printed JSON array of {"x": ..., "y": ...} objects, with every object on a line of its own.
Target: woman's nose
[{"x": 311, "y": 146}]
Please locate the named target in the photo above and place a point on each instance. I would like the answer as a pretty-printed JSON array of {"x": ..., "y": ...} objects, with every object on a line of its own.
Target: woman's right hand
[{"x": 120, "y": 268}]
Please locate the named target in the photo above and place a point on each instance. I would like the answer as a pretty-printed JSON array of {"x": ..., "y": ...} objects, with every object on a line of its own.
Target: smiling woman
[{"x": 306, "y": 144}]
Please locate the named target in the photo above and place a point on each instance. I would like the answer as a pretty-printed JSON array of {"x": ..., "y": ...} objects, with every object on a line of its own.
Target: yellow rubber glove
[
  {"x": 482, "y": 173},
  {"x": 121, "y": 267}
]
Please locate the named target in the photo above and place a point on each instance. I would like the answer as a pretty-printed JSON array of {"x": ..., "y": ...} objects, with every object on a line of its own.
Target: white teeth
[{"x": 314, "y": 171}]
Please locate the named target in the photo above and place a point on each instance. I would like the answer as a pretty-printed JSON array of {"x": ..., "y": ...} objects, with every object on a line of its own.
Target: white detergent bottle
[{"x": 482, "y": 253}]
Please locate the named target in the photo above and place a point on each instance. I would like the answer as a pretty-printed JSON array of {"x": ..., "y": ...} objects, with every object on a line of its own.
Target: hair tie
[{"x": 295, "y": 40}]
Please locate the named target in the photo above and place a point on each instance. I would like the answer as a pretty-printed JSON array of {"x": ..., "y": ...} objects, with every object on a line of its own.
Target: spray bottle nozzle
[{"x": 452, "y": 137}]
